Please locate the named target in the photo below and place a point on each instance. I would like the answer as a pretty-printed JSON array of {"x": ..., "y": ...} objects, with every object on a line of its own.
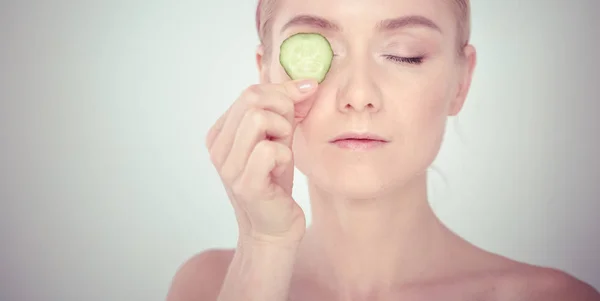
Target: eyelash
[
  {"x": 401, "y": 60},
  {"x": 404, "y": 60}
]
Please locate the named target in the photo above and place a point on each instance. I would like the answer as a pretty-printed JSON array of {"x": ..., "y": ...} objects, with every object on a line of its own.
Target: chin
[
  {"x": 365, "y": 175},
  {"x": 355, "y": 182},
  {"x": 359, "y": 191},
  {"x": 367, "y": 178}
]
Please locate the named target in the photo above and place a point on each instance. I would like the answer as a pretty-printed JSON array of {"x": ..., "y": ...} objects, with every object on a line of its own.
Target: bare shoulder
[
  {"x": 200, "y": 277},
  {"x": 533, "y": 283},
  {"x": 496, "y": 277}
]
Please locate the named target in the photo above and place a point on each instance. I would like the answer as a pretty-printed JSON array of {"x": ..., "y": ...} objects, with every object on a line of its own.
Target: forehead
[{"x": 359, "y": 14}]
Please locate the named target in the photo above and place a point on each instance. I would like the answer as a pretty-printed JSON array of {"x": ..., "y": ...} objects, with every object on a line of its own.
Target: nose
[{"x": 358, "y": 90}]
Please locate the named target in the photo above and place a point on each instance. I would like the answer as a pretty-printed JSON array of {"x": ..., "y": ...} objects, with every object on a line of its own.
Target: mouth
[{"x": 359, "y": 141}]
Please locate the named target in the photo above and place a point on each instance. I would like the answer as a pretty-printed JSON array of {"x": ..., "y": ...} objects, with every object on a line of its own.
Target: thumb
[
  {"x": 302, "y": 93},
  {"x": 303, "y": 105}
]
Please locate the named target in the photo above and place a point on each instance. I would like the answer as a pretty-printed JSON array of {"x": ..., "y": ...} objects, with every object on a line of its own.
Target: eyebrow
[
  {"x": 312, "y": 21},
  {"x": 385, "y": 25},
  {"x": 408, "y": 21}
]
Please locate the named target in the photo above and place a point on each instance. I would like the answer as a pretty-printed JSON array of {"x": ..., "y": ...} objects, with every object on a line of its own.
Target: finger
[
  {"x": 302, "y": 93},
  {"x": 292, "y": 93},
  {"x": 277, "y": 102},
  {"x": 266, "y": 158},
  {"x": 260, "y": 96},
  {"x": 297, "y": 90},
  {"x": 216, "y": 129},
  {"x": 255, "y": 126},
  {"x": 223, "y": 142}
]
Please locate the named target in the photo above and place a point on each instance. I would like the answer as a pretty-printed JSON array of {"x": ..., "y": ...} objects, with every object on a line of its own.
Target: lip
[
  {"x": 359, "y": 141},
  {"x": 366, "y": 137}
]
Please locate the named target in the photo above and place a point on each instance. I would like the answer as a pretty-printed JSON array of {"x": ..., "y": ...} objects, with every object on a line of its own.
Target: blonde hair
[{"x": 266, "y": 9}]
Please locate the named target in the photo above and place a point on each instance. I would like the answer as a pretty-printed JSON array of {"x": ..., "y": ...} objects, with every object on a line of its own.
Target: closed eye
[{"x": 405, "y": 60}]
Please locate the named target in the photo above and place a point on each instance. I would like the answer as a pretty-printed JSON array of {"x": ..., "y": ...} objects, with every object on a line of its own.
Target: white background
[{"x": 106, "y": 187}]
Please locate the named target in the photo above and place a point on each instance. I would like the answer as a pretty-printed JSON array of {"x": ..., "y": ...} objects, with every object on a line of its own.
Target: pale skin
[{"x": 373, "y": 235}]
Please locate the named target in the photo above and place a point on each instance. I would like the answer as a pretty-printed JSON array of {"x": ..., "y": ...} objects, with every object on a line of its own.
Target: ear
[
  {"x": 261, "y": 64},
  {"x": 467, "y": 67}
]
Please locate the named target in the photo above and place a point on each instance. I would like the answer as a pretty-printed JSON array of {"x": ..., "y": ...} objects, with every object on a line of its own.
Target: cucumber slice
[{"x": 306, "y": 56}]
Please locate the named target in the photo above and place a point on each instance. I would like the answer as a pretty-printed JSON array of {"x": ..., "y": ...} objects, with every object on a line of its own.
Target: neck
[{"x": 370, "y": 244}]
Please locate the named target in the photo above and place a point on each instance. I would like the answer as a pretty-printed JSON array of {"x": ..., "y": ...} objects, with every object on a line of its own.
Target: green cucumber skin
[{"x": 310, "y": 36}]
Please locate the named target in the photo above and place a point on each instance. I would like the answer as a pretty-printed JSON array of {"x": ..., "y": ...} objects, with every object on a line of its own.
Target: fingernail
[{"x": 305, "y": 85}]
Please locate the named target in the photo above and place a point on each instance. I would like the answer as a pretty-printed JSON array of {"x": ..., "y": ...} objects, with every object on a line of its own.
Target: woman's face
[{"x": 370, "y": 88}]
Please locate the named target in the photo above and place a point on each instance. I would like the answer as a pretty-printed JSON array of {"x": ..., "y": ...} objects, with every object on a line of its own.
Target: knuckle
[
  {"x": 255, "y": 87},
  {"x": 210, "y": 137},
  {"x": 239, "y": 190},
  {"x": 207, "y": 140},
  {"x": 287, "y": 106},
  {"x": 289, "y": 88},
  {"x": 258, "y": 118},
  {"x": 288, "y": 128},
  {"x": 244, "y": 191},
  {"x": 265, "y": 150},
  {"x": 228, "y": 174},
  {"x": 252, "y": 94},
  {"x": 215, "y": 158}
]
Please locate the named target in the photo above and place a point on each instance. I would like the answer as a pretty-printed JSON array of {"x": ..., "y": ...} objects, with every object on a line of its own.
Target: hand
[{"x": 250, "y": 146}]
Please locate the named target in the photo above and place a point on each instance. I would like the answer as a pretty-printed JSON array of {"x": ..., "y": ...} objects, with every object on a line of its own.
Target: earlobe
[{"x": 468, "y": 64}]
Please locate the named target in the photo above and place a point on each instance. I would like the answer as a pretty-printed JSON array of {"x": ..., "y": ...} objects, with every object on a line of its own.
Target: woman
[{"x": 364, "y": 138}]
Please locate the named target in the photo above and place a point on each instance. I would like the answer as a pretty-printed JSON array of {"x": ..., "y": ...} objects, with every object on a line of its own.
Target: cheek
[
  {"x": 421, "y": 115},
  {"x": 311, "y": 136},
  {"x": 276, "y": 73},
  {"x": 423, "y": 105}
]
